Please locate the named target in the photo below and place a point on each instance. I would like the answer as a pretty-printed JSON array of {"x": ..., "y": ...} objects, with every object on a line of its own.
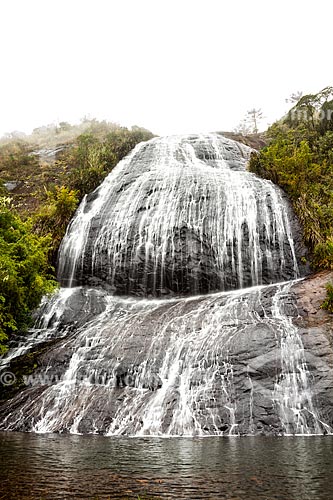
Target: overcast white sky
[{"x": 170, "y": 66}]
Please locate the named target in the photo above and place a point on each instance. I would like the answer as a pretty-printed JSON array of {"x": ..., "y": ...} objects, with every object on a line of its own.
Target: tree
[
  {"x": 253, "y": 117},
  {"x": 64, "y": 127},
  {"x": 313, "y": 113},
  {"x": 294, "y": 97}
]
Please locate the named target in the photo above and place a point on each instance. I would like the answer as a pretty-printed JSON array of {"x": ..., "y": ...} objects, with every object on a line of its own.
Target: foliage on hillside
[
  {"x": 91, "y": 158},
  {"x": 328, "y": 302},
  {"x": 53, "y": 217},
  {"x": 25, "y": 273},
  {"x": 50, "y": 136},
  {"x": 75, "y": 156},
  {"x": 50, "y": 182},
  {"x": 299, "y": 158},
  {"x": 46, "y": 193}
]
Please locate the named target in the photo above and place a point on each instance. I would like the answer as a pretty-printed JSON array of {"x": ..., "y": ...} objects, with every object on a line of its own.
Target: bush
[
  {"x": 55, "y": 215},
  {"x": 328, "y": 303},
  {"x": 299, "y": 159},
  {"x": 93, "y": 157},
  {"x": 25, "y": 274},
  {"x": 17, "y": 156},
  {"x": 323, "y": 255}
]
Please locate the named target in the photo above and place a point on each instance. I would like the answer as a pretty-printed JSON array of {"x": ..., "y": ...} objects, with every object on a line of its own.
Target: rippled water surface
[{"x": 49, "y": 466}]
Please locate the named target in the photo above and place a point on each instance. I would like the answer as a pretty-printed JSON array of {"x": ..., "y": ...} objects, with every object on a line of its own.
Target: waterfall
[
  {"x": 172, "y": 319},
  {"x": 182, "y": 215}
]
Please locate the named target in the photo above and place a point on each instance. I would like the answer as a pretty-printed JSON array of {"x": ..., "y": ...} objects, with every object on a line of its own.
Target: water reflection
[{"x": 90, "y": 467}]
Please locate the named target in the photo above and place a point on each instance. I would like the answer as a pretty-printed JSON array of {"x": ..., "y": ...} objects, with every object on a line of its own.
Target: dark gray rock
[
  {"x": 179, "y": 217},
  {"x": 316, "y": 329},
  {"x": 182, "y": 216},
  {"x": 206, "y": 365}
]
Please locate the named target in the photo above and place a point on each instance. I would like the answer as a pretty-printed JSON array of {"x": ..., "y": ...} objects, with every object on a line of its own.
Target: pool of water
[{"x": 50, "y": 466}]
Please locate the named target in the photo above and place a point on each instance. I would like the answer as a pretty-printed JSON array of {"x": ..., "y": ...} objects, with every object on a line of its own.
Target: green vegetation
[
  {"x": 25, "y": 273},
  {"x": 328, "y": 302},
  {"x": 51, "y": 171},
  {"x": 91, "y": 158},
  {"x": 54, "y": 215},
  {"x": 299, "y": 158},
  {"x": 77, "y": 157}
]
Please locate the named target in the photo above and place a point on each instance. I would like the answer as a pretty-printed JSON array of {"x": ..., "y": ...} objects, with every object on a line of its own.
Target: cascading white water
[
  {"x": 196, "y": 366},
  {"x": 180, "y": 215},
  {"x": 292, "y": 392}
]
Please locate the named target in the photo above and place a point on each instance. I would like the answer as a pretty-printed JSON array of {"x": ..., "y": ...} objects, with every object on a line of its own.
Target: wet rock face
[
  {"x": 209, "y": 365},
  {"x": 181, "y": 215},
  {"x": 316, "y": 329}
]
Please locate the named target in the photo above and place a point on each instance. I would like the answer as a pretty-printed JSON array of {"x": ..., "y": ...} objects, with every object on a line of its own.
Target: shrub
[
  {"x": 25, "y": 274},
  {"x": 55, "y": 214},
  {"x": 299, "y": 159},
  {"x": 328, "y": 302}
]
